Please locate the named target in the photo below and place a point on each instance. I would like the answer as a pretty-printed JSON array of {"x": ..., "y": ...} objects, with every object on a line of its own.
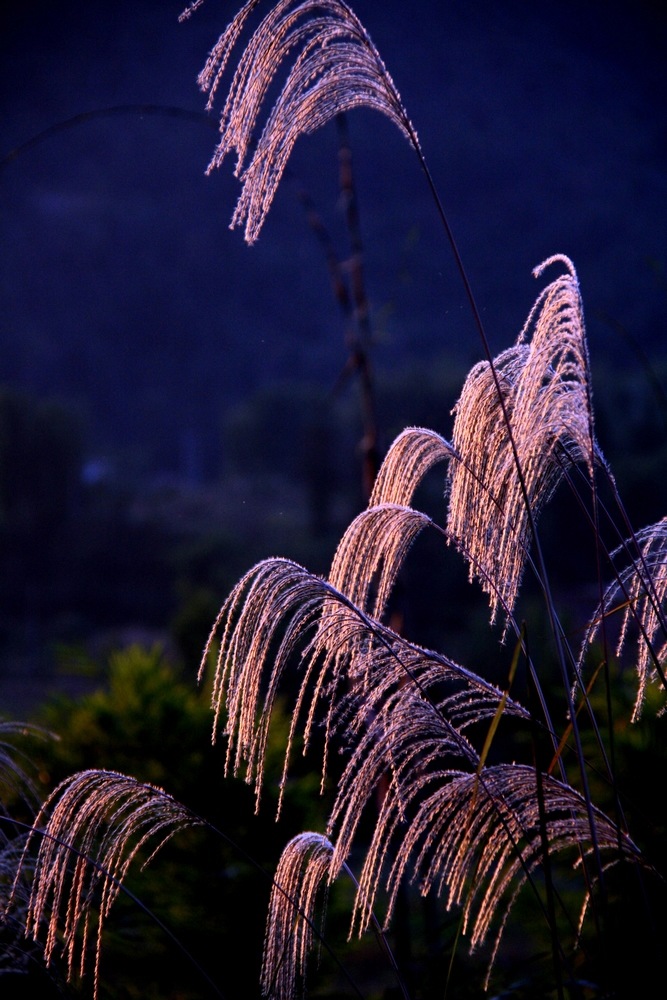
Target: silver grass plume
[
  {"x": 403, "y": 715},
  {"x": 334, "y": 68},
  {"x": 300, "y": 883},
  {"x": 478, "y": 838},
  {"x": 95, "y": 823},
  {"x": 279, "y": 611},
  {"x": 446, "y": 822},
  {"x": 501, "y": 483},
  {"x": 372, "y": 551},
  {"x": 474, "y": 836},
  {"x": 411, "y": 455},
  {"x": 407, "y": 716},
  {"x": 641, "y": 592}
]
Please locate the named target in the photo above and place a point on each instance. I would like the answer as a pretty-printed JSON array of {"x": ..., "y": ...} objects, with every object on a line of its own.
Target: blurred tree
[
  {"x": 41, "y": 446},
  {"x": 40, "y": 473}
]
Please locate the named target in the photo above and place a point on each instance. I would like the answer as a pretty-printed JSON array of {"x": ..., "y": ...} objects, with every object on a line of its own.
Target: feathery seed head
[
  {"x": 331, "y": 66},
  {"x": 520, "y": 422},
  {"x": 640, "y": 589},
  {"x": 96, "y": 823},
  {"x": 303, "y": 872}
]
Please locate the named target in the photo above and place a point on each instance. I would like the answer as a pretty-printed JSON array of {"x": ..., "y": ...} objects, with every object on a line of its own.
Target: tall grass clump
[{"x": 500, "y": 793}]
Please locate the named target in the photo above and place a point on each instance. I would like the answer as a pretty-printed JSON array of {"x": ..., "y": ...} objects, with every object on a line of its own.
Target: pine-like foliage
[{"x": 427, "y": 793}]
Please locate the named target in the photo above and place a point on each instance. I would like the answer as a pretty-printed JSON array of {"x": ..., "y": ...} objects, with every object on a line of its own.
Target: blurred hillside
[
  {"x": 123, "y": 291},
  {"x": 170, "y": 406}
]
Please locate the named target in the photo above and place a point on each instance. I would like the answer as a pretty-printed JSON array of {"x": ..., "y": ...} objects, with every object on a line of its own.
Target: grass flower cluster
[{"x": 478, "y": 794}]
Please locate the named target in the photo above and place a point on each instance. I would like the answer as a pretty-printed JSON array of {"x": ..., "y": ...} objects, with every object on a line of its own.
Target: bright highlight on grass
[{"x": 432, "y": 793}]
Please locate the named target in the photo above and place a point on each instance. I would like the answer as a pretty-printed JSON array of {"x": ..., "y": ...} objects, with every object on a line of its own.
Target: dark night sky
[{"x": 121, "y": 285}]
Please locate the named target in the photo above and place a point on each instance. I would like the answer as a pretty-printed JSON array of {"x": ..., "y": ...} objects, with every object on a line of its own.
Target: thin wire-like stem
[
  {"x": 33, "y": 831},
  {"x": 542, "y": 574}
]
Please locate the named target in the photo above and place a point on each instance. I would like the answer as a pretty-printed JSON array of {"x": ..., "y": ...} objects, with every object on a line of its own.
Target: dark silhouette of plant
[
  {"x": 485, "y": 796},
  {"x": 19, "y": 800}
]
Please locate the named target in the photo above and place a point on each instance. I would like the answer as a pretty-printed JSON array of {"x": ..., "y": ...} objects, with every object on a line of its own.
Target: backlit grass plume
[
  {"x": 95, "y": 825},
  {"x": 639, "y": 596},
  {"x": 278, "y": 610},
  {"x": 438, "y": 778},
  {"x": 515, "y": 444},
  {"x": 330, "y": 66},
  {"x": 447, "y": 820},
  {"x": 301, "y": 879}
]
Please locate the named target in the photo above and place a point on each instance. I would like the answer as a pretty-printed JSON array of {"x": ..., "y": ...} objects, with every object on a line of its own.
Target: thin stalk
[
  {"x": 546, "y": 857},
  {"x": 34, "y": 831},
  {"x": 543, "y": 577},
  {"x": 251, "y": 861},
  {"x": 360, "y": 345},
  {"x": 140, "y": 110}
]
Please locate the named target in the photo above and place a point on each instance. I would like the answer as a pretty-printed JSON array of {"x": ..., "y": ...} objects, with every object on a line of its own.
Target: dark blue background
[{"x": 122, "y": 287}]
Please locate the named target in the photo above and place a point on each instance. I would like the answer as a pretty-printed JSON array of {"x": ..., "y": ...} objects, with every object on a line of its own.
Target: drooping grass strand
[
  {"x": 95, "y": 823},
  {"x": 335, "y": 67}
]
